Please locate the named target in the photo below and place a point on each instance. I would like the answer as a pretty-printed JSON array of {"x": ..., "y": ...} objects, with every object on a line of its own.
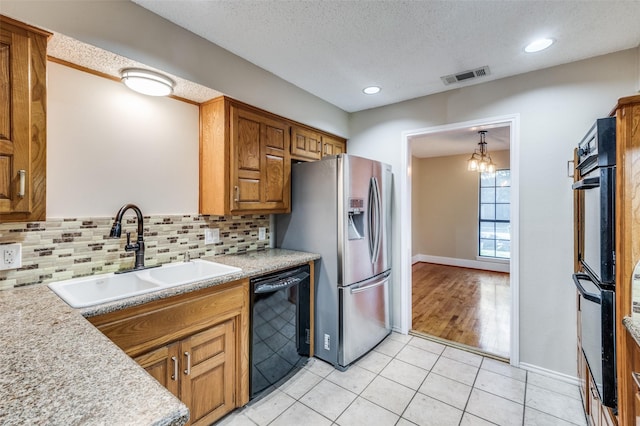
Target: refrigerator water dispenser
[{"x": 356, "y": 219}]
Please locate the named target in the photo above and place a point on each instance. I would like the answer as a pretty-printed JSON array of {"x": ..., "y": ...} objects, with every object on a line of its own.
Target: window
[{"x": 495, "y": 227}]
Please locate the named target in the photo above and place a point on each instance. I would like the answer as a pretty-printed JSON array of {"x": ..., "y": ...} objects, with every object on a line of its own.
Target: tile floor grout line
[
  {"x": 415, "y": 392},
  {"x": 387, "y": 359},
  {"x": 473, "y": 386}
]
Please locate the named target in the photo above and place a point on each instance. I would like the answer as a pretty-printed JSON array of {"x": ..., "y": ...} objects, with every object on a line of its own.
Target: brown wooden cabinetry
[
  {"x": 632, "y": 385},
  {"x": 333, "y": 146},
  {"x": 627, "y": 249},
  {"x": 245, "y": 163},
  {"x": 23, "y": 96},
  {"x": 309, "y": 145},
  {"x": 196, "y": 345},
  {"x": 306, "y": 144}
]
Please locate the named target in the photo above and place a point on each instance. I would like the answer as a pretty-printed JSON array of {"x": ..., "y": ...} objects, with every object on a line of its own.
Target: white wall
[
  {"x": 445, "y": 199},
  {"x": 556, "y": 107},
  {"x": 131, "y": 31},
  {"x": 107, "y": 146}
]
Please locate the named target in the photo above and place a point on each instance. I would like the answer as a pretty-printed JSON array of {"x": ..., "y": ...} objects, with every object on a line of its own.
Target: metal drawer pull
[
  {"x": 23, "y": 175},
  {"x": 188, "y": 370},
  {"x": 175, "y": 368}
]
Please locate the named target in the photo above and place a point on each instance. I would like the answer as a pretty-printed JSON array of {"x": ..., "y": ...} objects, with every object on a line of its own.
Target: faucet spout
[{"x": 138, "y": 246}]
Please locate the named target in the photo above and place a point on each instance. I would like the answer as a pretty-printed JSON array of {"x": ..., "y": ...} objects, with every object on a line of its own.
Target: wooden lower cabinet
[
  {"x": 208, "y": 382},
  {"x": 162, "y": 365},
  {"x": 196, "y": 345},
  {"x": 596, "y": 413}
]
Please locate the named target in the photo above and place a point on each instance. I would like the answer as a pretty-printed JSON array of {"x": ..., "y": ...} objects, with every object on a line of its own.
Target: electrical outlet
[
  {"x": 262, "y": 233},
  {"x": 211, "y": 236},
  {"x": 10, "y": 256},
  {"x": 326, "y": 342}
]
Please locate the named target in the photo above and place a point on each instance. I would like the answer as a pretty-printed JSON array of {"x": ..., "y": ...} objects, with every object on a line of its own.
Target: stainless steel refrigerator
[{"x": 340, "y": 208}]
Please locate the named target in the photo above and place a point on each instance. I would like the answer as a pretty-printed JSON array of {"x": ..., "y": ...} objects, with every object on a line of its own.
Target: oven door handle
[
  {"x": 595, "y": 298},
  {"x": 587, "y": 183}
]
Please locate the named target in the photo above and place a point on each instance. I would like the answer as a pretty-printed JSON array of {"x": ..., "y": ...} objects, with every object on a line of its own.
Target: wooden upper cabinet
[
  {"x": 306, "y": 144},
  {"x": 333, "y": 146},
  {"x": 23, "y": 95},
  {"x": 245, "y": 164},
  {"x": 309, "y": 145}
]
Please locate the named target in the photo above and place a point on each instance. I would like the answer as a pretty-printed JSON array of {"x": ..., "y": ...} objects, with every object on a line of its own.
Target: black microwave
[{"x": 597, "y": 172}]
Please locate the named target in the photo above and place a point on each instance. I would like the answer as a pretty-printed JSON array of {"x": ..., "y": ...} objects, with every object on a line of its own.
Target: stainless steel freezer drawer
[{"x": 365, "y": 317}]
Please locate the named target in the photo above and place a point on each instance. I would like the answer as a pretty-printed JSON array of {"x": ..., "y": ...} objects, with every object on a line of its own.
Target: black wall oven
[
  {"x": 597, "y": 168},
  {"x": 596, "y": 254}
]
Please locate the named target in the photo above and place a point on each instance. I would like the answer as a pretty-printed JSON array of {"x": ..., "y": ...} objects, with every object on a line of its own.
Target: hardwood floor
[{"x": 467, "y": 306}]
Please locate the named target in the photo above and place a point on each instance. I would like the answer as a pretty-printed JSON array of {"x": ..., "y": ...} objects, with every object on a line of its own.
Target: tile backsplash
[{"x": 59, "y": 249}]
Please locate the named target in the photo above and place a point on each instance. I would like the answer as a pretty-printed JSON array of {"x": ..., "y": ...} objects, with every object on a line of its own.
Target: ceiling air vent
[{"x": 465, "y": 75}]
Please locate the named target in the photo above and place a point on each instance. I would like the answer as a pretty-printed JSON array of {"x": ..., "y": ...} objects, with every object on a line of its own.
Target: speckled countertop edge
[
  {"x": 56, "y": 368},
  {"x": 633, "y": 325},
  {"x": 253, "y": 264}
]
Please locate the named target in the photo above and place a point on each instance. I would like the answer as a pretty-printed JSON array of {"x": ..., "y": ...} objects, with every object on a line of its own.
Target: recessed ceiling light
[
  {"x": 371, "y": 90},
  {"x": 538, "y": 45},
  {"x": 147, "y": 82}
]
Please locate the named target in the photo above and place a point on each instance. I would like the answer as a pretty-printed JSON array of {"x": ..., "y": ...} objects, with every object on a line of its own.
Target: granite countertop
[
  {"x": 56, "y": 368},
  {"x": 633, "y": 325},
  {"x": 253, "y": 264}
]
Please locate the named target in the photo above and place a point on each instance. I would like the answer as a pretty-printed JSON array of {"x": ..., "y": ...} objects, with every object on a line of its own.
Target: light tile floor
[{"x": 409, "y": 380}]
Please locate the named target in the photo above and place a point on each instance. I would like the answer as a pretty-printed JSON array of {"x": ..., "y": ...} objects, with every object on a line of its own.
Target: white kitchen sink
[
  {"x": 174, "y": 274},
  {"x": 97, "y": 289},
  {"x": 88, "y": 291}
]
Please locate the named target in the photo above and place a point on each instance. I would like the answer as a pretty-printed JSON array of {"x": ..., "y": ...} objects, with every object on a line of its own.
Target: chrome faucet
[{"x": 116, "y": 232}]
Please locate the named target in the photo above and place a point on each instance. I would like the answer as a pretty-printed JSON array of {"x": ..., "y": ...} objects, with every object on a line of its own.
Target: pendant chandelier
[{"x": 480, "y": 160}]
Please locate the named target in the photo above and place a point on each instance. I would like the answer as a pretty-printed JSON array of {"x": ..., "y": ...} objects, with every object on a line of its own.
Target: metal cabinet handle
[
  {"x": 237, "y": 189},
  {"x": 319, "y": 147},
  {"x": 188, "y": 370},
  {"x": 175, "y": 368},
  {"x": 23, "y": 179}
]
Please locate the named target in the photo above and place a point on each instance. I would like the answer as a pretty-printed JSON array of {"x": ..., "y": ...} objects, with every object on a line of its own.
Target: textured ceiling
[
  {"x": 96, "y": 59},
  {"x": 333, "y": 49}
]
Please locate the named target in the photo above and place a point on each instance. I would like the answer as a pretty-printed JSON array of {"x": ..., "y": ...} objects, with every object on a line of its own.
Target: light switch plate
[
  {"x": 262, "y": 234},
  {"x": 211, "y": 236},
  {"x": 10, "y": 256}
]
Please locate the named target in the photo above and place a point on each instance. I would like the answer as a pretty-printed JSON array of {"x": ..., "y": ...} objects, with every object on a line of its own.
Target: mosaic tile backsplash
[{"x": 59, "y": 249}]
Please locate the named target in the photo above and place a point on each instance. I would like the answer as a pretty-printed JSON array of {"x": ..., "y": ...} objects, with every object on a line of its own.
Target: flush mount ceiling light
[
  {"x": 147, "y": 82},
  {"x": 538, "y": 45},
  {"x": 480, "y": 160},
  {"x": 371, "y": 90}
]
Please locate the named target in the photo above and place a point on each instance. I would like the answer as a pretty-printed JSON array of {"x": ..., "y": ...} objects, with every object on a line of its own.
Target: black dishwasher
[{"x": 280, "y": 324}]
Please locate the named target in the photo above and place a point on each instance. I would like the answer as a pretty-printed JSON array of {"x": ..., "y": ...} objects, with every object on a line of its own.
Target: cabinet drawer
[{"x": 140, "y": 329}]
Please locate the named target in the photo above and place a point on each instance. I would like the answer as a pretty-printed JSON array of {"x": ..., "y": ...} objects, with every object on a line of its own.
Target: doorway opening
[{"x": 462, "y": 282}]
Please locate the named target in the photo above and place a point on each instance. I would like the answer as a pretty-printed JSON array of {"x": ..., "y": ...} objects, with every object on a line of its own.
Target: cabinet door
[
  {"x": 306, "y": 144},
  {"x": 22, "y": 123},
  {"x": 163, "y": 365},
  {"x": 208, "y": 386},
  {"x": 333, "y": 146},
  {"x": 260, "y": 166}
]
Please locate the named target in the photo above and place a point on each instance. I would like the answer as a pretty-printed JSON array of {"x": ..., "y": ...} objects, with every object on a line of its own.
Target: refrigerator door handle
[
  {"x": 374, "y": 219},
  {"x": 370, "y": 283}
]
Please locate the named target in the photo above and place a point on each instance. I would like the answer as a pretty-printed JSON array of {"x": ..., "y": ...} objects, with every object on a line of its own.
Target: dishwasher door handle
[{"x": 280, "y": 284}]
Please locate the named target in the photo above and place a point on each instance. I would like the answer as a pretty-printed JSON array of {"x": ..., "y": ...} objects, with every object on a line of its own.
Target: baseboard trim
[
  {"x": 550, "y": 373},
  {"x": 463, "y": 263}
]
